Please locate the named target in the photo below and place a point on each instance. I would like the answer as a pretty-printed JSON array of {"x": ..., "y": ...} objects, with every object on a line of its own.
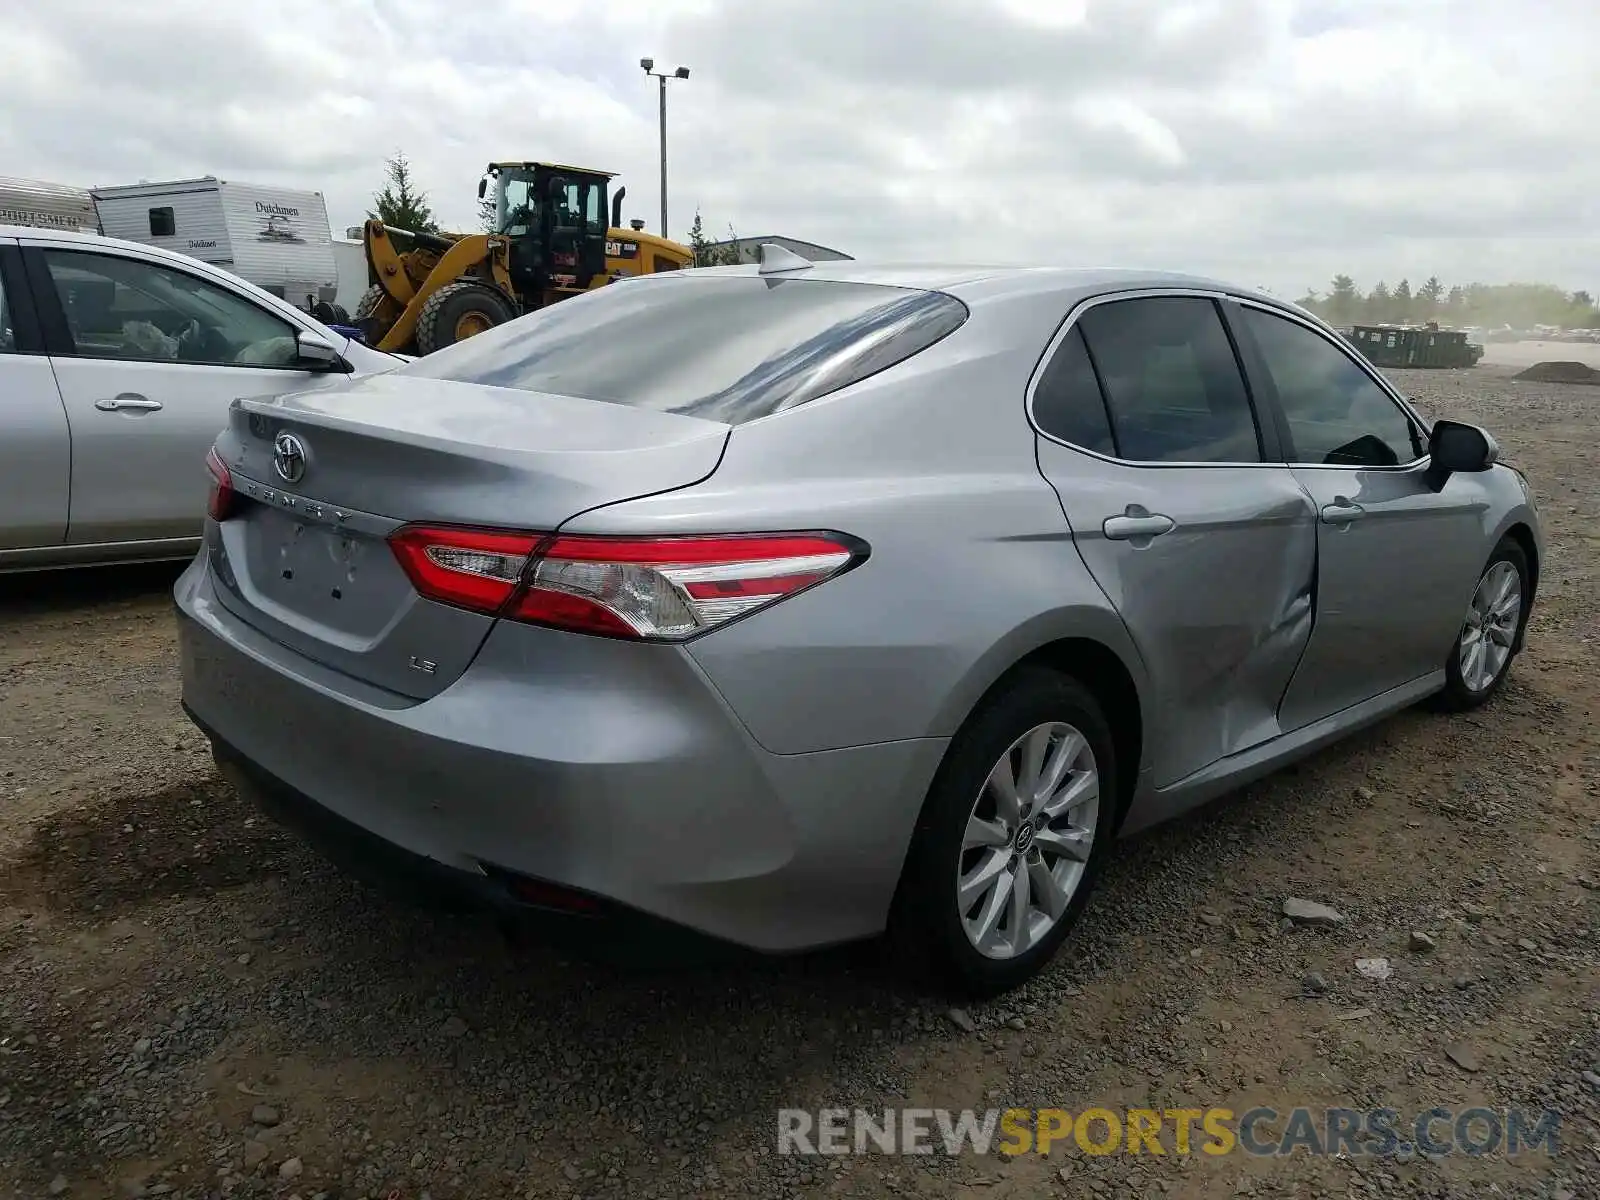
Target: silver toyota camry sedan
[{"x": 796, "y": 603}]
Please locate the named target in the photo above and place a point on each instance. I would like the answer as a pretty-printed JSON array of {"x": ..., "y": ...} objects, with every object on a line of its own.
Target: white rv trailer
[
  {"x": 277, "y": 238},
  {"x": 41, "y": 205},
  {"x": 350, "y": 257}
]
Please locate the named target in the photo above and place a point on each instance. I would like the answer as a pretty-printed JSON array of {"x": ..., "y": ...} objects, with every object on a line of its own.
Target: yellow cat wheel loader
[{"x": 551, "y": 240}]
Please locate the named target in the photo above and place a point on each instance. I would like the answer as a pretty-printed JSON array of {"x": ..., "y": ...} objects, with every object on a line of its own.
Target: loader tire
[
  {"x": 372, "y": 326},
  {"x": 458, "y": 311},
  {"x": 370, "y": 299}
]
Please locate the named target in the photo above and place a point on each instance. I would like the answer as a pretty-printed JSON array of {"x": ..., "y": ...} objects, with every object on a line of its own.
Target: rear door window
[
  {"x": 1172, "y": 381},
  {"x": 729, "y": 349},
  {"x": 1067, "y": 403}
]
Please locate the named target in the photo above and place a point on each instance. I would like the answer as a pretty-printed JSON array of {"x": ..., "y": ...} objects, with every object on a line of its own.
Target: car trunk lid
[{"x": 305, "y": 557}]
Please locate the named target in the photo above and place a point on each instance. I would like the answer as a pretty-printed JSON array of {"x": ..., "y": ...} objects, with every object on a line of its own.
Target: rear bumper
[
  {"x": 583, "y": 923},
  {"x": 609, "y": 768}
]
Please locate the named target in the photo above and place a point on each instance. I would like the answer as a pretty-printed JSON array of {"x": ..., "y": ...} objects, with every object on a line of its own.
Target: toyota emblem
[{"x": 289, "y": 458}]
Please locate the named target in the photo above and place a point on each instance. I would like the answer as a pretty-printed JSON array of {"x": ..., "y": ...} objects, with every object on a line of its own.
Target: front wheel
[
  {"x": 1012, "y": 836},
  {"x": 1481, "y": 657},
  {"x": 457, "y": 312}
]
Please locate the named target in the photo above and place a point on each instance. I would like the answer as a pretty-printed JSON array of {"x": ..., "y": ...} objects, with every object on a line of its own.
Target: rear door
[
  {"x": 148, "y": 358},
  {"x": 35, "y": 446},
  {"x": 1397, "y": 560},
  {"x": 1203, "y": 543}
]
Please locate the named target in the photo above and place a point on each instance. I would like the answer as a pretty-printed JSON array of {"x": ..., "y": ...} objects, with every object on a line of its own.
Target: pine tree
[
  {"x": 1344, "y": 302},
  {"x": 1431, "y": 294},
  {"x": 1402, "y": 301},
  {"x": 711, "y": 254},
  {"x": 698, "y": 242},
  {"x": 401, "y": 203}
]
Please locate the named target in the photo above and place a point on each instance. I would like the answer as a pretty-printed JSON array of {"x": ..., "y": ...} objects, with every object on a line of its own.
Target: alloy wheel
[
  {"x": 1028, "y": 840},
  {"x": 1491, "y": 626}
]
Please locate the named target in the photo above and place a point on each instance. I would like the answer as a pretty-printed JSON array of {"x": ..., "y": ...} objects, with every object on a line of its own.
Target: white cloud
[{"x": 1272, "y": 141}]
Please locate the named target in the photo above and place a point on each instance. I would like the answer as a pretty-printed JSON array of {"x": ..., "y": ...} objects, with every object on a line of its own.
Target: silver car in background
[
  {"x": 794, "y": 604},
  {"x": 117, "y": 365}
]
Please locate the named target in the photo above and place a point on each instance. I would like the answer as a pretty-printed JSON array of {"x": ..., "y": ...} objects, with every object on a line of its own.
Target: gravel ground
[
  {"x": 1517, "y": 355},
  {"x": 194, "y": 1005}
]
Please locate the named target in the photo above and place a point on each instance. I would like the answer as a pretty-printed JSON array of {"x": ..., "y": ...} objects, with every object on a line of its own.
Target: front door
[
  {"x": 148, "y": 357},
  {"x": 1395, "y": 558},
  {"x": 1206, "y": 550}
]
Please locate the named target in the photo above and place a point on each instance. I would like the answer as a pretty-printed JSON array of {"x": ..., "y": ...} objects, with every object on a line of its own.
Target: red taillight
[
  {"x": 657, "y": 588},
  {"x": 464, "y": 567},
  {"x": 219, "y": 500}
]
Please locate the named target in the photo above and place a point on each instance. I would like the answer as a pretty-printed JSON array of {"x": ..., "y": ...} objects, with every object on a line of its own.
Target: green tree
[
  {"x": 708, "y": 253},
  {"x": 1404, "y": 305},
  {"x": 1379, "y": 305},
  {"x": 1518, "y": 305},
  {"x": 1430, "y": 294},
  {"x": 486, "y": 214},
  {"x": 401, "y": 203},
  {"x": 1344, "y": 302}
]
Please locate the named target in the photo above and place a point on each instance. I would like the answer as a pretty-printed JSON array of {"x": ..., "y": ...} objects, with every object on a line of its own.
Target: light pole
[{"x": 649, "y": 65}]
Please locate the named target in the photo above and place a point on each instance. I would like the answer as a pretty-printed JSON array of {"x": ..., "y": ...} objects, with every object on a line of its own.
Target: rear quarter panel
[{"x": 972, "y": 564}]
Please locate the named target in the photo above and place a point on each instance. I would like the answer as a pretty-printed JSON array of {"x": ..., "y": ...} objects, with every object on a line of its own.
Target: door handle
[
  {"x": 1342, "y": 511},
  {"x": 128, "y": 400},
  {"x": 1136, "y": 523}
]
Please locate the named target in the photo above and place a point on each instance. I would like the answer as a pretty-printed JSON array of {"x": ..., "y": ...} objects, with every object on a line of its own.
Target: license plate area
[{"x": 334, "y": 577}]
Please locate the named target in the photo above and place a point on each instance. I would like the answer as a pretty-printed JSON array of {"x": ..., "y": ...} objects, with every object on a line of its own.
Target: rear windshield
[{"x": 727, "y": 348}]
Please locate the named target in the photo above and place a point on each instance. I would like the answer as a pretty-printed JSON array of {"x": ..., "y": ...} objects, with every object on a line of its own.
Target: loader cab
[{"x": 555, "y": 218}]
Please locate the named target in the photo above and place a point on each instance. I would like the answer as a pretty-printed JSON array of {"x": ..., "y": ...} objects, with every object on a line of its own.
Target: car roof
[
  {"x": 994, "y": 281},
  {"x": 98, "y": 241}
]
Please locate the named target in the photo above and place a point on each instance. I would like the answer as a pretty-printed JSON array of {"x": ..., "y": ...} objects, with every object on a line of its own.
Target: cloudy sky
[{"x": 1270, "y": 141}]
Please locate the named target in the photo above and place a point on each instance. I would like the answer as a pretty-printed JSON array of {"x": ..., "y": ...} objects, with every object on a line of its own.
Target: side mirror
[
  {"x": 483, "y": 186},
  {"x": 316, "y": 353},
  {"x": 1456, "y": 446}
]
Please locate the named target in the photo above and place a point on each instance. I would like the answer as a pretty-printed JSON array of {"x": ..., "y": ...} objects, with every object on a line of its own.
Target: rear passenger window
[
  {"x": 1067, "y": 403},
  {"x": 1171, "y": 381}
]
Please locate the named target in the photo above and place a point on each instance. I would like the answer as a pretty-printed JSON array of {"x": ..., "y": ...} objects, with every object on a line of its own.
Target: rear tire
[
  {"x": 458, "y": 311},
  {"x": 1482, "y": 654},
  {"x": 961, "y": 918},
  {"x": 370, "y": 300},
  {"x": 366, "y": 319}
]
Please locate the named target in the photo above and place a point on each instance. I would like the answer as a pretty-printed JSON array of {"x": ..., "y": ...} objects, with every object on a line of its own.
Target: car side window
[
  {"x": 1067, "y": 402},
  {"x": 1172, "y": 382},
  {"x": 1337, "y": 414},
  {"x": 126, "y": 308}
]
